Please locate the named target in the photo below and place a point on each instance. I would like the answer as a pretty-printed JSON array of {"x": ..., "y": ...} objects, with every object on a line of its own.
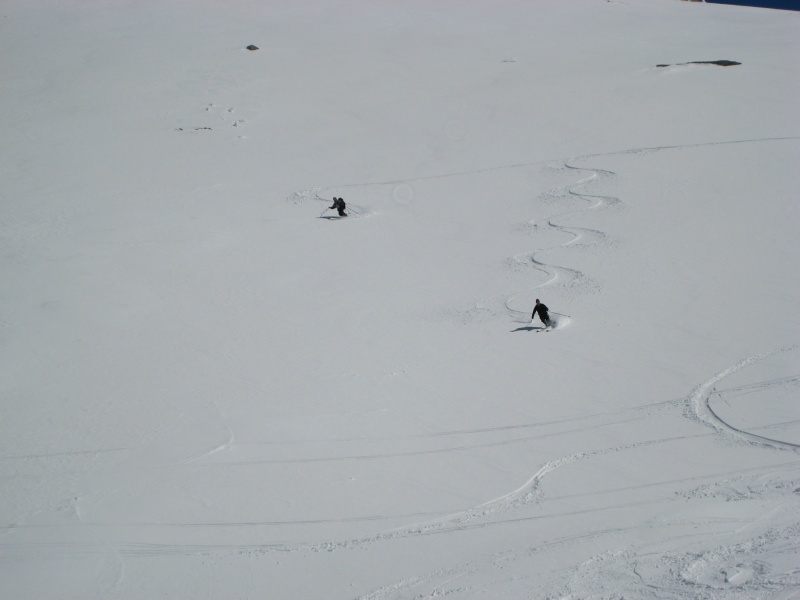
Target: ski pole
[
  {"x": 562, "y": 314},
  {"x": 324, "y": 211}
]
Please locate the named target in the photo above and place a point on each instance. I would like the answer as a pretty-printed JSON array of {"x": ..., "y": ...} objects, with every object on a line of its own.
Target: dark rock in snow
[
  {"x": 252, "y": 47},
  {"x": 721, "y": 63}
]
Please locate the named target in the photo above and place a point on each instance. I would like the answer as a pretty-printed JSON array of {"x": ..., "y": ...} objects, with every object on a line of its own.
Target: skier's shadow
[{"x": 528, "y": 328}]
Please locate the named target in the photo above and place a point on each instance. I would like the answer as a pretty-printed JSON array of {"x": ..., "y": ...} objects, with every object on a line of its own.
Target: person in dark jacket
[
  {"x": 338, "y": 204},
  {"x": 541, "y": 310}
]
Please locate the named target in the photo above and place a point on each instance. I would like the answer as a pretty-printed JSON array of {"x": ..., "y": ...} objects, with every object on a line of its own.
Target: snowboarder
[
  {"x": 338, "y": 204},
  {"x": 541, "y": 309}
]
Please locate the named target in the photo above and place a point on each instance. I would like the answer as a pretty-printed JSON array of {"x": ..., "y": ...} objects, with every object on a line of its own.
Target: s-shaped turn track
[
  {"x": 696, "y": 405},
  {"x": 529, "y": 500}
]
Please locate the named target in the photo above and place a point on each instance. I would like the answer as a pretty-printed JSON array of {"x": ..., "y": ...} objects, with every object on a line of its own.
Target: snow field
[{"x": 210, "y": 390}]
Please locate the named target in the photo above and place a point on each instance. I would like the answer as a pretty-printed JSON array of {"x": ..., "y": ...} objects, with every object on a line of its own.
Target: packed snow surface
[{"x": 213, "y": 389}]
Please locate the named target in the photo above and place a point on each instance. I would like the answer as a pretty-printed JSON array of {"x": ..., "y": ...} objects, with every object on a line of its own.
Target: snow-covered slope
[{"x": 210, "y": 389}]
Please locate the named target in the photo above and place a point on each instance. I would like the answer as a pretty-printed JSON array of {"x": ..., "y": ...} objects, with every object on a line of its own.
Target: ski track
[
  {"x": 647, "y": 409},
  {"x": 113, "y": 569},
  {"x": 685, "y": 573},
  {"x": 218, "y": 448},
  {"x": 591, "y": 580},
  {"x": 670, "y": 574},
  {"x": 691, "y": 573},
  {"x": 301, "y": 196},
  {"x": 697, "y": 408},
  {"x": 572, "y": 280},
  {"x": 388, "y": 455},
  {"x": 497, "y": 511}
]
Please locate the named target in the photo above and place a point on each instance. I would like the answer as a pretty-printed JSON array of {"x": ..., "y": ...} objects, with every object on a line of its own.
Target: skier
[
  {"x": 541, "y": 309},
  {"x": 338, "y": 203}
]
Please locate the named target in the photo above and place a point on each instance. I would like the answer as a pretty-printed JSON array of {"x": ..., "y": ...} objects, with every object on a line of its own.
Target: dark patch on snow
[
  {"x": 251, "y": 47},
  {"x": 721, "y": 63}
]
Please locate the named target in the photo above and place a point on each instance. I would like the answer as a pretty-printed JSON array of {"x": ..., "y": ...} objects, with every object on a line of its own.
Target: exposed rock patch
[{"x": 721, "y": 63}]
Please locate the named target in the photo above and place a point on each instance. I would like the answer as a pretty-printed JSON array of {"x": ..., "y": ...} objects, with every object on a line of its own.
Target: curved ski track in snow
[
  {"x": 531, "y": 493},
  {"x": 678, "y": 574},
  {"x": 300, "y": 196},
  {"x": 498, "y": 511},
  {"x": 686, "y": 573},
  {"x": 682, "y": 574},
  {"x": 698, "y": 407},
  {"x": 575, "y": 281}
]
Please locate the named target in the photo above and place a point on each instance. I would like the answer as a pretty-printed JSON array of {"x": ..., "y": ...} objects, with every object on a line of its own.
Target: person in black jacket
[
  {"x": 338, "y": 204},
  {"x": 541, "y": 310}
]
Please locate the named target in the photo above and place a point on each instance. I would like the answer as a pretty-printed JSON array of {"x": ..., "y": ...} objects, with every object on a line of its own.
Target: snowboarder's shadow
[{"x": 527, "y": 328}]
